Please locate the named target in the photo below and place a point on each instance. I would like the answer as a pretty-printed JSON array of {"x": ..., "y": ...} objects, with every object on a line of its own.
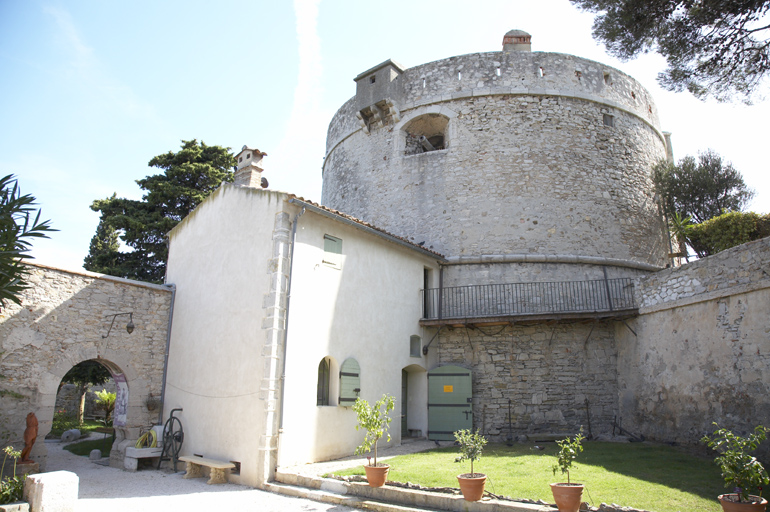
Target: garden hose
[{"x": 147, "y": 440}]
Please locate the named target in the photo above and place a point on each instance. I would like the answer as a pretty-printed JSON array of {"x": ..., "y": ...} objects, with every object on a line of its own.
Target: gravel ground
[{"x": 104, "y": 488}]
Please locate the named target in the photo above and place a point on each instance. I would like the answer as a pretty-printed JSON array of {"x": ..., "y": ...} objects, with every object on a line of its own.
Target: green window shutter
[
  {"x": 332, "y": 251},
  {"x": 332, "y": 244},
  {"x": 350, "y": 382}
]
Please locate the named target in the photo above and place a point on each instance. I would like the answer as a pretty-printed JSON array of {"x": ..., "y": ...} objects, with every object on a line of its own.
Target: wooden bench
[{"x": 219, "y": 469}]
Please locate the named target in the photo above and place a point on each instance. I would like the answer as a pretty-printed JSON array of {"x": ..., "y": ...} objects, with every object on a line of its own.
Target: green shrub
[
  {"x": 726, "y": 231},
  {"x": 12, "y": 487},
  {"x": 61, "y": 423},
  {"x": 105, "y": 400}
]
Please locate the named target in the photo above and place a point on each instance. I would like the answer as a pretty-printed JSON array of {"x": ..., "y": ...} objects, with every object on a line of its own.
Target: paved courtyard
[{"x": 104, "y": 488}]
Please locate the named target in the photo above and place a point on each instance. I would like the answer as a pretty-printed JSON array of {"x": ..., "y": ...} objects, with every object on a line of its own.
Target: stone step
[
  {"x": 389, "y": 498},
  {"x": 324, "y": 496}
]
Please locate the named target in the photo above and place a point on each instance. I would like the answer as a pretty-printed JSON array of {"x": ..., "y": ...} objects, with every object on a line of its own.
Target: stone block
[
  {"x": 52, "y": 492},
  {"x": 16, "y": 506},
  {"x": 70, "y": 435}
]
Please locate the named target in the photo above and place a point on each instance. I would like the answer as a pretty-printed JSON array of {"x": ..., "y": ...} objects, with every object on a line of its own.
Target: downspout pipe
[
  {"x": 286, "y": 317},
  {"x": 165, "y": 359}
]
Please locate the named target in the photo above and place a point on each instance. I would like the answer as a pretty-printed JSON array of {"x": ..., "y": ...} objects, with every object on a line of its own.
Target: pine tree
[
  {"x": 718, "y": 49},
  {"x": 104, "y": 253},
  {"x": 189, "y": 176}
]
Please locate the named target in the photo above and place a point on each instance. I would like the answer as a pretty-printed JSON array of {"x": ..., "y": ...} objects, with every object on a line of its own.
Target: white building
[{"x": 247, "y": 263}]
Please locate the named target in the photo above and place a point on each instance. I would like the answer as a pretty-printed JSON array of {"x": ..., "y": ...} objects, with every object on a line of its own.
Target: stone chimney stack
[
  {"x": 248, "y": 173},
  {"x": 517, "y": 41}
]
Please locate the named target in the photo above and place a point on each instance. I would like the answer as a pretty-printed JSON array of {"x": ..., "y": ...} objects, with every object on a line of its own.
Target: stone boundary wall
[
  {"x": 553, "y": 375},
  {"x": 738, "y": 270},
  {"x": 521, "y": 73},
  {"x": 702, "y": 349},
  {"x": 60, "y": 323}
]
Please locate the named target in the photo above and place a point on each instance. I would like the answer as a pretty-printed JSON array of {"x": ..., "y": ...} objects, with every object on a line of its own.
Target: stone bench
[{"x": 219, "y": 469}]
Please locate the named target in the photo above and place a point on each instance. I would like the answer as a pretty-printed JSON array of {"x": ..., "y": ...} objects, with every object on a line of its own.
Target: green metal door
[{"x": 449, "y": 402}]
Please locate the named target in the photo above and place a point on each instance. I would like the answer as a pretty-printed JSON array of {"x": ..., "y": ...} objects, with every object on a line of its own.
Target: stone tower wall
[
  {"x": 530, "y": 166},
  {"x": 557, "y": 377}
]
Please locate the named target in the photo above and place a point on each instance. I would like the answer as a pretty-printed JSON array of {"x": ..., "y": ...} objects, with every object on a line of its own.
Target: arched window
[
  {"x": 426, "y": 133},
  {"x": 322, "y": 392}
]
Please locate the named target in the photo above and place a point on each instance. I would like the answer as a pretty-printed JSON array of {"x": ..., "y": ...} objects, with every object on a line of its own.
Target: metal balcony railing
[{"x": 518, "y": 299}]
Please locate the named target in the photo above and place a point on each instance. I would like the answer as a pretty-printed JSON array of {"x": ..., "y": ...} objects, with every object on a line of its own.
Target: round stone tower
[{"x": 516, "y": 165}]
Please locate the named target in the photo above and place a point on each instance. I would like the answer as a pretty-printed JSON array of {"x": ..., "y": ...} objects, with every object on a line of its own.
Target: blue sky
[{"x": 92, "y": 90}]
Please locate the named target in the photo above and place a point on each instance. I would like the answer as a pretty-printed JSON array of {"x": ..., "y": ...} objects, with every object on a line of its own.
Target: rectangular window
[
  {"x": 415, "y": 346},
  {"x": 332, "y": 251}
]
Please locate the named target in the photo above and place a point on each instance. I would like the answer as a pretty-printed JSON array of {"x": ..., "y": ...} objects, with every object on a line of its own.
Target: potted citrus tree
[
  {"x": 375, "y": 420},
  {"x": 741, "y": 471},
  {"x": 471, "y": 445},
  {"x": 567, "y": 495}
]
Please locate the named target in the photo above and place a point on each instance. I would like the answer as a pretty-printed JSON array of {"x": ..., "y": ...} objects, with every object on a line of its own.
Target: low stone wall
[
  {"x": 702, "y": 348},
  {"x": 67, "y": 400},
  {"x": 741, "y": 269},
  {"x": 62, "y": 321},
  {"x": 554, "y": 375}
]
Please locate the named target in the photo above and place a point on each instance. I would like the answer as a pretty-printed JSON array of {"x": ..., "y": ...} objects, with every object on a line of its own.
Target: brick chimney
[
  {"x": 517, "y": 41},
  {"x": 248, "y": 173}
]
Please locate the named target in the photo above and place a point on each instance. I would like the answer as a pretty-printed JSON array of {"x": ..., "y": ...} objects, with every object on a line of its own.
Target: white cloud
[{"x": 296, "y": 158}]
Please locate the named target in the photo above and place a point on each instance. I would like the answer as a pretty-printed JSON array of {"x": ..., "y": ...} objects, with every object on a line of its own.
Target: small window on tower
[
  {"x": 609, "y": 120},
  {"x": 372, "y": 79}
]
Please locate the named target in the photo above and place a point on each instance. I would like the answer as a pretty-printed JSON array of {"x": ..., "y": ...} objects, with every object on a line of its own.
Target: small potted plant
[
  {"x": 471, "y": 445},
  {"x": 568, "y": 495},
  {"x": 741, "y": 471},
  {"x": 375, "y": 420}
]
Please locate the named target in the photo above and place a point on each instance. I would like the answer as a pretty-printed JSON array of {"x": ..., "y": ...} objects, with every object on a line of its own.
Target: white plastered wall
[
  {"x": 366, "y": 309},
  {"x": 218, "y": 259}
]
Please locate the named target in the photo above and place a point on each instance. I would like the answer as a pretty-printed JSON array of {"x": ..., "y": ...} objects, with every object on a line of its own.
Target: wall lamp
[{"x": 129, "y": 325}]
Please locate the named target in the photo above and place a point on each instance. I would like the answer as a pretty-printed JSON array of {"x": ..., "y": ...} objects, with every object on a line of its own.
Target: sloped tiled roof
[{"x": 364, "y": 224}]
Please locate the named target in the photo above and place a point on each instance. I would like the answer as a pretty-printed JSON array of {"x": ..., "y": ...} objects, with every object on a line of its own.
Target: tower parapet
[{"x": 510, "y": 159}]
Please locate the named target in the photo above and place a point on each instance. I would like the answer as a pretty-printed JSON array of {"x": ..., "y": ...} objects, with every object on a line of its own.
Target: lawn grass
[
  {"x": 649, "y": 476},
  {"x": 84, "y": 447},
  {"x": 62, "y": 423}
]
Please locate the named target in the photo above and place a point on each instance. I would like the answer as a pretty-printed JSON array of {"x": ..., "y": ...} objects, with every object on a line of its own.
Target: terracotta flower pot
[
  {"x": 472, "y": 485},
  {"x": 376, "y": 475},
  {"x": 567, "y": 496},
  {"x": 730, "y": 504}
]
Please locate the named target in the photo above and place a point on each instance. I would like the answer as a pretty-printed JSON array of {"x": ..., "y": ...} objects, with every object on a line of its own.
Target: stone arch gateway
[{"x": 63, "y": 319}]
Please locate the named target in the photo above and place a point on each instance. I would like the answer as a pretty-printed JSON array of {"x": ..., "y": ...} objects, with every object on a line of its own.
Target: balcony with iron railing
[{"x": 601, "y": 298}]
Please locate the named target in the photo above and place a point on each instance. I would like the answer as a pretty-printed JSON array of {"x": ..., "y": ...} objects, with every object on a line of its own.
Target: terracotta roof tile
[{"x": 364, "y": 223}]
